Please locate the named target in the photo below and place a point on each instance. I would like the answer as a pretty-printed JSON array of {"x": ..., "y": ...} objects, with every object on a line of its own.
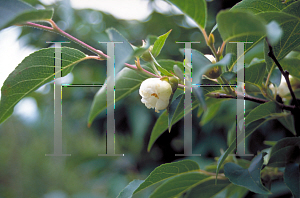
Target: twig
[
  {"x": 284, "y": 73},
  {"x": 250, "y": 98}
]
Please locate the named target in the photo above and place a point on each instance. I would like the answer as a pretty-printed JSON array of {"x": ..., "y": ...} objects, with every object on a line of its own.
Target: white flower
[
  {"x": 283, "y": 89},
  {"x": 211, "y": 58},
  {"x": 155, "y": 93}
]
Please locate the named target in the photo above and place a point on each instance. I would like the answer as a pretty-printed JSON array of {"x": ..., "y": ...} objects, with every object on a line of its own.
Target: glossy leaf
[
  {"x": 234, "y": 24},
  {"x": 196, "y": 9},
  {"x": 180, "y": 184},
  {"x": 127, "y": 192},
  {"x": 208, "y": 189},
  {"x": 14, "y": 12},
  {"x": 34, "y": 71},
  {"x": 292, "y": 178},
  {"x": 123, "y": 51},
  {"x": 161, "y": 124},
  {"x": 168, "y": 170},
  {"x": 248, "y": 178},
  {"x": 274, "y": 32},
  {"x": 159, "y": 43},
  {"x": 262, "y": 111},
  {"x": 255, "y": 73},
  {"x": 284, "y": 152},
  {"x": 126, "y": 82}
]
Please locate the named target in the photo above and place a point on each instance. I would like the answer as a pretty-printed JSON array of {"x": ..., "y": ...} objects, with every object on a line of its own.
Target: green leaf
[
  {"x": 258, "y": 6},
  {"x": 275, "y": 77},
  {"x": 292, "y": 66},
  {"x": 250, "y": 128},
  {"x": 161, "y": 124},
  {"x": 127, "y": 192},
  {"x": 288, "y": 123},
  {"x": 34, "y": 71},
  {"x": 255, "y": 73},
  {"x": 196, "y": 9},
  {"x": 208, "y": 189},
  {"x": 234, "y": 24},
  {"x": 159, "y": 43},
  {"x": 180, "y": 184},
  {"x": 235, "y": 191},
  {"x": 292, "y": 178},
  {"x": 126, "y": 82},
  {"x": 262, "y": 111},
  {"x": 16, "y": 12},
  {"x": 175, "y": 107},
  {"x": 290, "y": 25},
  {"x": 248, "y": 178},
  {"x": 123, "y": 51},
  {"x": 210, "y": 113},
  {"x": 284, "y": 152},
  {"x": 168, "y": 170}
]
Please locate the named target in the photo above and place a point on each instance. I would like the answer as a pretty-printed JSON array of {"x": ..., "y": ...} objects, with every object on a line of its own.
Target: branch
[
  {"x": 284, "y": 73},
  {"x": 250, "y": 98}
]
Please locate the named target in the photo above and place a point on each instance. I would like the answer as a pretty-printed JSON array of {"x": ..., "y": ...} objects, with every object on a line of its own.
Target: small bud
[
  {"x": 211, "y": 40},
  {"x": 213, "y": 72},
  {"x": 146, "y": 55}
]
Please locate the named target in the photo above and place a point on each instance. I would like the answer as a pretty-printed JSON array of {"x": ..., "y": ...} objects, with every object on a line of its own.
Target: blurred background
[{"x": 27, "y": 135}]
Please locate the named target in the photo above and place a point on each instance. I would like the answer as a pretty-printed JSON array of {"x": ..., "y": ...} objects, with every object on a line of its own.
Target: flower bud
[
  {"x": 213, "y": 72},
  {"x": 155, "y": 93},
  {"x": 146, "y": 55},
  {"x": 211, "y": 40}
]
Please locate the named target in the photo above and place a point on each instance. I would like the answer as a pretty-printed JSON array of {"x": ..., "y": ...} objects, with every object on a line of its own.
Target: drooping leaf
[
  {"x": 284, "y": 152},
  {"x": 254, "y": 74},
  {"x": 168, "y": 170},
  {"x": 34, "y": 71},
  {"x": 180, "y": 184},
  {"x": 159, "y": 43},
  {"x": 210, "y": 113},
  {"x": 248, "y": 178},
  {"x": 126, "y": 82},
  {"x": 196, "y": 9},
  {"x": 292, "y": 178},
  {"x": 123, "y": 51},
  {"x": 275, "y": 77},
  {"x": 234, "y": 24},
  {"x": 208, "y": 189},
  {"x": 161, "y": 124},
  {"x": 127, "y": 192},
  {"x": 14, "y": 12}
]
